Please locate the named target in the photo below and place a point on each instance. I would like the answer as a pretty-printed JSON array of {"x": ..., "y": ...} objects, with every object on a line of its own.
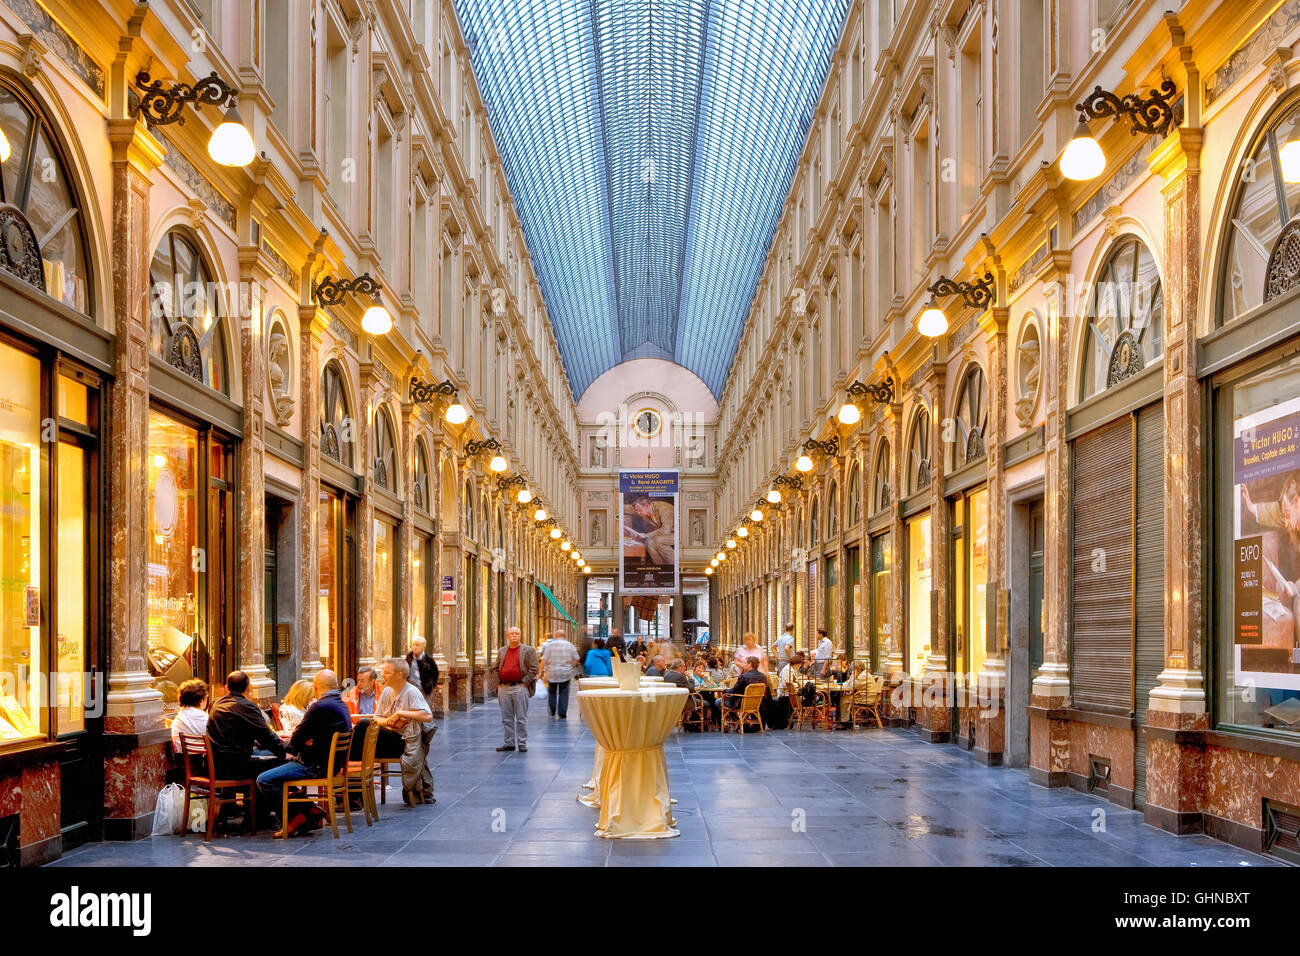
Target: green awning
[{"x": 551, "y": 597}]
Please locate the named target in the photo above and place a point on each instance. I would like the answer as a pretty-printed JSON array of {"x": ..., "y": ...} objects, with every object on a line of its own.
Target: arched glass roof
[{"x": 649, "y": 147}]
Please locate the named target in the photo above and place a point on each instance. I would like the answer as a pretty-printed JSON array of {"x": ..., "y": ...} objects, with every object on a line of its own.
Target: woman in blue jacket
[{"x": 598, "y": 662}]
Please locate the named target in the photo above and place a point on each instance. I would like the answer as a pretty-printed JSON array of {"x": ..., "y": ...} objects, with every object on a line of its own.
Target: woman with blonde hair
[{"x": 295, "y": 705}]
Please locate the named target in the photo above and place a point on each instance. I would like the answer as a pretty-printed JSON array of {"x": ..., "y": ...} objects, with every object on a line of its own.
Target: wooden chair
[
  {"x": 334, "y": 787},
  {"x": 748, "y": 711},
  {"x": 867, "y": 702},
  {"x": 695, "y": 713},
  {"x": 210, "y": 787},
  {"x": 361, "y": 773}
]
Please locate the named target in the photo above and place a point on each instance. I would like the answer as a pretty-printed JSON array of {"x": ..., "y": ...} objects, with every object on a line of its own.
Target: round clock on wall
[{"x": 647, "y": 423}]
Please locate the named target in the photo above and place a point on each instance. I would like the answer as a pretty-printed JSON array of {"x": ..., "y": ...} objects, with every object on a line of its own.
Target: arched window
[
  {"x": 832, "y": 510},
  {"x": 972, "y": 418},
  {"x": 185, "y": 312},
  {"x": 335, "y": 417},
  {"x": 385, "y": 465},
  {"x": 1123, "y": 325},
  {"x": 469, "y": 508},
  {"x": 35, "y": 185},
  {"x": 918, "y": 454},
  {"x": 1259, "y": 261},
  {"x": 420, "y": 480},
  {"x": 855, "y": 497},
  {"x": 880, "y": 485}
]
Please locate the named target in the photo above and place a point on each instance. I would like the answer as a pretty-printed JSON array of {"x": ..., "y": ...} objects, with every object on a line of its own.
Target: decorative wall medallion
[
  {"x": 1125, "y": 358},
  {"x": 183, "y": 350},
  {"x": 329, "y": 442},
  {"x": 1283, "y": 273},
  {"x": 20, "y": 254},
  {"x": 279, "y": 370},
  {"x": 974, "y": 446}
]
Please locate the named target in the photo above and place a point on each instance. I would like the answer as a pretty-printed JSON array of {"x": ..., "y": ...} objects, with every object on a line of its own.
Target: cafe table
[
  {"x": 632, "y": 786},
  {"x": 592, "y": 799}
]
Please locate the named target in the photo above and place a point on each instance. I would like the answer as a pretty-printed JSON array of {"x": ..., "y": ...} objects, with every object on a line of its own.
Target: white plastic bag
[
  {"x": 198, "y": 814},
  {"x": 167, "y": 812}
]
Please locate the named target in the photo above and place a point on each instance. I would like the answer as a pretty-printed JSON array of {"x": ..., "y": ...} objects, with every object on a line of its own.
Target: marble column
[
  {"x": 371, "y": 648},
  {"x": 311, "y": 324},
  {"x": 895, "y": 668},
  {"x": 1049, "y": 739},
  {"x": 990, "y": 694},
  {"x": 249, "y": 584},
  {"x": 132, "y": 776},
  {"x": 934, "y": 715},
  {"x": 1177, "y": 705}
]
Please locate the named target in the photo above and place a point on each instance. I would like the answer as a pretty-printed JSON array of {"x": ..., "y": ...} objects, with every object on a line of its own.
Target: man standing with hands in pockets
[{"x": 517, "y": 678}]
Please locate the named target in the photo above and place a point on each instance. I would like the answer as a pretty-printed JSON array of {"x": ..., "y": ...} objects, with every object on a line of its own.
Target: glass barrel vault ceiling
[{"x": 649, "y": 147}]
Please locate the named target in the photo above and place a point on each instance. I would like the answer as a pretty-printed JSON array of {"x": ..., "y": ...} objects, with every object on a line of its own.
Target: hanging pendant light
[
  {"x": 1083, "y": 158},
  {"x": 231, "y": 144},
  {"x": 377, "y": 320},
  {"x": 933, "y": 323}
]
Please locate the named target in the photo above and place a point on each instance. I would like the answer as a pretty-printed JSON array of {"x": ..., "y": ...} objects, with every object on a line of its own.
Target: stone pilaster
[
  {"x": 249, "y": 585},
  {"x": 372, "y": 648},
  {"x": 311, "y": 323},
  {"x": 934, "y": 717}
]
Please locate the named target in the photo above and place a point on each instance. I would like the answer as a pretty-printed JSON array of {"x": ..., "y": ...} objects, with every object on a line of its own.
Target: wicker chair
[
  {"x": 867, "y": 702},
  {"x": 747, "y": 712},
  {"x": 208, "y": 786},
  {"x": 818, "y": 713},
  {"x": 695, "y": 713},
  {"x": 333, "y": 788}
]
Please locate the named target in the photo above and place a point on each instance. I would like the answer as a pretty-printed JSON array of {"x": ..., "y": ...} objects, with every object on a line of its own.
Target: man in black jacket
[
  {"x": 424, "y": 669},
  {"x": 236, "y": 727},
  {"x": 310, "y": 743},
  {"x": 614, "y": 644},
  {"x": 751, "y": 676}
]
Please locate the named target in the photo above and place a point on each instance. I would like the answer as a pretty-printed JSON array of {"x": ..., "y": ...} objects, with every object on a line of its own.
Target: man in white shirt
[
  {"x": 824, "y": 651},
  {"x": 402, "y": 708},
  {"x": 783, "y": 647},
  {"x": 559, "y": 659}
]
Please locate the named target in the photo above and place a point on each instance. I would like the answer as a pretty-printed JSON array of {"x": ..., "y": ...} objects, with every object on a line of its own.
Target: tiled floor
[{"x": 848, "y": 798}]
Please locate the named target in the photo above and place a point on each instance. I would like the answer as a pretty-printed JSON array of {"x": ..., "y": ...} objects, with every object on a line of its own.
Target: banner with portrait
[
  {"x": 1266, "y": 546},
  {"x": 648, "y": 532}
]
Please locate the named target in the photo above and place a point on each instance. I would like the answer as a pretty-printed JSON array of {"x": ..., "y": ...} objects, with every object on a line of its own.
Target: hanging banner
[
  {"x": 1266, "y": 546},
  {"x": 648, "y": 532}
]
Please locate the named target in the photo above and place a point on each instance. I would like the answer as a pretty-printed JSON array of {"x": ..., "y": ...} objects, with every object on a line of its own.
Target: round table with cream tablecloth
[
  {"x": 632, "y": 786},
  {"x": 592, "y": 799}
]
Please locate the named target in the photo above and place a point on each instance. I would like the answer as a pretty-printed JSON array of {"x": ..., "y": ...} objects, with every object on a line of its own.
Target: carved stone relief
[
  {"x": 1028, "y": 357},
  {"x": 279, "y": 370}
]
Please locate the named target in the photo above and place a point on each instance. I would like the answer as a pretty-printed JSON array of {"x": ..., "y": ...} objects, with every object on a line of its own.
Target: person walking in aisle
[
  {"x": 559, "y": 658},
  {"x": 516, "y": 681}
]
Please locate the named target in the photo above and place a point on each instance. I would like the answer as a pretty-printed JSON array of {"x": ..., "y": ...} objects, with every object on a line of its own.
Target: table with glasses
[{"x": 630, "y": 727}]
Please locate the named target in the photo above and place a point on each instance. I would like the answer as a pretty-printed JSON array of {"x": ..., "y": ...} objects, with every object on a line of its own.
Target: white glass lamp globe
[
  {"x": 933, "y": 323},
  {"x": 803, "y": 463},
  {"x": 377, "y": 321},
  {"x": 231, "y": 144},
  {"x": 742, "y": 532},
  {"x": 714, "y": 563},
  {"x": 456, "y": 414},
  {"x": 555, "y": 532},
  {"x": 525, "y": 496},
  {"x": 539, "y": 514},
  {"x": 1288, "y": 158},
  {"x": 498, "y": 463},
  {"x": 774, "y": 497},
  {"x": 708, "y": 570},
  {"x": 731, "y": 544},
  {"x": 849, "y": 414},
  {"x": 565, "y": 546},
  {"x": 756, "y": 515},
  {"x": 1083, "y": 158},
  {"x": 586, "y": 569}
]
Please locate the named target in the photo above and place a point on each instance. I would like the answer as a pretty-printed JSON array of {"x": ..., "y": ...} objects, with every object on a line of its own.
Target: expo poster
[
  {"x": 648, "y": 532},
  {"x": 1266, "y": 546}
]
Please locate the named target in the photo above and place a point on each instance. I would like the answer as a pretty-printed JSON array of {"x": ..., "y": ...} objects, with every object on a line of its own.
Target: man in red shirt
[{"x": 516, "y": 681}]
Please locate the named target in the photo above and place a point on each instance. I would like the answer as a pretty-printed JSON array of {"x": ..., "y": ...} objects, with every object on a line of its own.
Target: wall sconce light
[
  {"x": 586, "y": 569},
  {"x": 332, "y": 291},
  {"x": 539, "y": 514},
  {"x": 422, "y": 393},
  {"x": 556, "y": 533},
  {"x": 230, "y": 144},
  {"x": 731, "y": 544},
  {"x": 564, "y": 545},
  {"x": 756, "y": 515},
  {"x": 498, "y": 462},
  {"x": 882, "y": 393},
  {"x": 524, "y": 496},
  {"x": 978, "y": 294},
  {"x": 742, "y": 532},
  {"x": 830, "y": 448},
  {"x": 708, "y": 570},
  {"x": 1083, "y": 158},
  {"x": 713, "y": 564}
]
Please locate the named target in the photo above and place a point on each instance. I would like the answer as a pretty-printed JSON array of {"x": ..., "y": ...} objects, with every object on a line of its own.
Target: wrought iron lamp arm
[
  {"x": 1152, "y": 113},
  {"x": 163, "y": 105},
  {"x": 882, "y": 393},
  {"x": 487, "y": 444},
  {"x": 424, "y": 392},
  {"x": 978, "y": 293}
]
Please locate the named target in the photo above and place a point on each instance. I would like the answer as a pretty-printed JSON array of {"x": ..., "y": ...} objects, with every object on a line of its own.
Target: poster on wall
[
  {"x": 1266, "y": 546},
  {"x": 648, "y": 532}
]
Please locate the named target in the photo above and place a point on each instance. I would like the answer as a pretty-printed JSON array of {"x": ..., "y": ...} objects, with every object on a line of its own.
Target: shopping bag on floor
[
  {"x": 198, "y": 815},
  {"x": 167, "y": 812}
]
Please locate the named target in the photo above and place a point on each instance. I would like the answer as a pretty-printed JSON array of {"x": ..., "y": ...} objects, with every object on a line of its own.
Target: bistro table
[
  {"x": 592, "y": 799},
  {"x": 630, "y": 726}
]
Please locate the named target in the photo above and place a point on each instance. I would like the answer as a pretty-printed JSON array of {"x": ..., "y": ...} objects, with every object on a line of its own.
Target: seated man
[
  {"x": 751, "y": 676},
  {"x": 362, "y": 696},
  {"x": 658, "y": 667},
  {"x": 236, "y": 729},
  {"x": 403, "y": 708},
  {"x": 310, "y": 747},
  {"x": 676, "y": 674}
]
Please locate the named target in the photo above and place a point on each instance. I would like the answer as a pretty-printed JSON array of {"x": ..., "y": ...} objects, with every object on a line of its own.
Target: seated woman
[
  {"x": 841, "y": 672},
  {"x": 717, "y": 672},
  {"x": 192, "y": 718},
  {"x": 598, "y": 663},
  {"x": 700, "y": 674},
  {"x": 294, "y": 705}
]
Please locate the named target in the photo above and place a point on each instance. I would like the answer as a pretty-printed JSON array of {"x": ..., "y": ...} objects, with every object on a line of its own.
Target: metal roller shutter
[
  {"x": 1102, "y": 610},
  {"x": 1149, "y": 598}
]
